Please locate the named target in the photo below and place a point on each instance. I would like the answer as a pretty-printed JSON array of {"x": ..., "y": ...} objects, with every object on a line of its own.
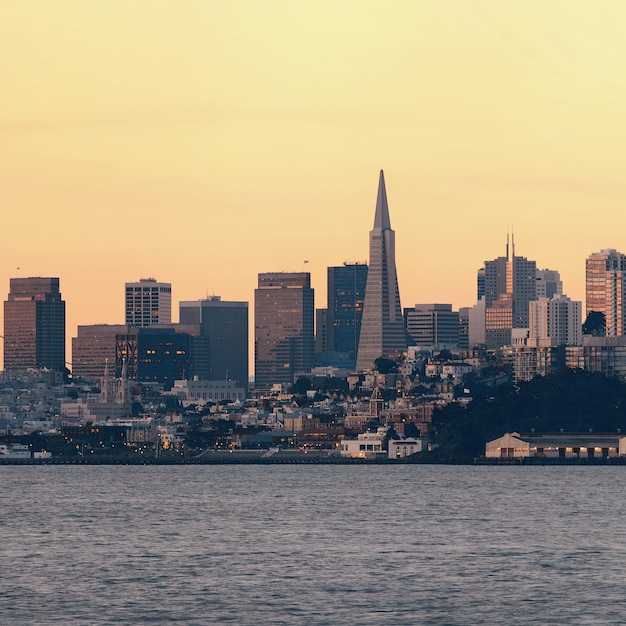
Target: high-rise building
[
  {"x": 382, "y": 325},
  {"x": 34, "y": 324},
  {"x": 159, "y": 354},
  {"x": 433, "y": 325},
  {"x": 222, "y": 338},
  {"x": 94, "y": 348},
  {"x": 557, "y": 319},
  {"x": 346, "y": 296},
  {"x": 148, "y": 302},
  {"x": 283, "y": 327},
  {"x": 549, "y": 284},
  {"x": 510, "y": 283},
  {"x": 606, "y": 289}
]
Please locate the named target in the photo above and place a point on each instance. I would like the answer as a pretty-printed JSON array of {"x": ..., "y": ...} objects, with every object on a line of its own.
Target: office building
[
  {"x": 283, "y": 328},
  {"x": 94, "y": 348},
  {"x": 346, "y": 296},
  {"x": 219, "y": 348},
  {"x": 606, "y": 289},
  {"x": 148, "y": 302},
  {"x": 510, "y": 283},
  {"x": 34, "y": 324},
  {"x": 382, "y": 324},
  {"x": 153, "y": 355},
  {"x": 549, "y": 284},
  {"x": 432, "y": 325}
]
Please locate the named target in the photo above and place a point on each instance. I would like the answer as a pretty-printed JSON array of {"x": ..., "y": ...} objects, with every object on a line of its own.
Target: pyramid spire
[
  {"x": 381, "y": 219},
  {"x": 382, "y": 326}
]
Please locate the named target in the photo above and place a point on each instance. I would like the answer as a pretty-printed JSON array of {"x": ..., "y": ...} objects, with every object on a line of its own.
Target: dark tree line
[{"x": 570, "y": 401}]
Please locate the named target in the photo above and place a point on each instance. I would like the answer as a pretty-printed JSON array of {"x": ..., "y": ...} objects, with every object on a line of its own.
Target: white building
[
  {"x": 148, "y": 302},
  {"x": 366, "y": 446},
  {"x": 400, "y": 448},
  {"x": 558, "y": 318}
]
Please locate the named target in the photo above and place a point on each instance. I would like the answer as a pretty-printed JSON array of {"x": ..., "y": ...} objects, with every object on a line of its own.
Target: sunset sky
[{"x": 202, "y": 142}]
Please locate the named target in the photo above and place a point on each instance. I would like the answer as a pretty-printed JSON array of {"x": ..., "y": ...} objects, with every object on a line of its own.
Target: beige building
[{"x": 556, "y": 446}]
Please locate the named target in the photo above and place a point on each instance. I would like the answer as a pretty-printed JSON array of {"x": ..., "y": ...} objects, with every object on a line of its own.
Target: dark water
[{"x": 312, "y": 545}]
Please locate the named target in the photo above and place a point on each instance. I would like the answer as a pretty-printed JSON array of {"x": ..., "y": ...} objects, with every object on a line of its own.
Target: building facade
[
  {"x": 382, "y": 324},
  {"x": 605, "y": 282},
  {"x": 94, "y": 348},
  {"x": 283, "y": 328},
  {"x": 432, "y": 325},
  {"x": 219, "y": 350},
  {"x": 558, "y": 318},
  {"x": 510, "y": 283},
  {"x": 34, "y": 324},
  {"x": 148, "y": 302},
  {"x": 346, "y": 297}
]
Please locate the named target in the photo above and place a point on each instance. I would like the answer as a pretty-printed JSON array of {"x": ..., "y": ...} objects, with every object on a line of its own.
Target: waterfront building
[
  {"x": 148, "y": 302},
  {"x": 34, "y": 324},
  {"x": 401, "y": 448},
  {"x": 219, "y": 344},
  {"x": 432, "y": 325},
  {"x": 368, "y": 445},
  {"x": 556, "y": 446},
  {"x": 93, "y": 348},
  {"x": 382, "y": 324},
  {"x": 283, "y": 328},
  {"x": 606, "y": 289}
]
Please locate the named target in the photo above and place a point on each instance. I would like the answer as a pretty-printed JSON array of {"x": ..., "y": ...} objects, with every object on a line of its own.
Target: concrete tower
[{"x": 382, "y": 326}]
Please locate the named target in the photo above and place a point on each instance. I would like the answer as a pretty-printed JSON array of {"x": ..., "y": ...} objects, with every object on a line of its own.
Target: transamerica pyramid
[{"x": 382, "y": 326}]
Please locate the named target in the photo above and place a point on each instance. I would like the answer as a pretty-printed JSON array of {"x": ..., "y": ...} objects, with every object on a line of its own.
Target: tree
[
  {"x": 385, "y": 366},
  {"x": 595, "y": 324}
]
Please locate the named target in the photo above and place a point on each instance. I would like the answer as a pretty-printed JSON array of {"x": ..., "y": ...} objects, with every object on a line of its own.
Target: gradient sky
[{"x": 202, "y": 142}]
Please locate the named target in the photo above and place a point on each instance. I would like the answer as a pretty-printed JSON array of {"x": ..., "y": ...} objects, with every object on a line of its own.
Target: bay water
[{"x": 322, "y": 544}]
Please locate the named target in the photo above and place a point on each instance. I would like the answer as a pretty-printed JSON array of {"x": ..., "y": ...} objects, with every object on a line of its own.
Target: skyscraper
[
  {"x": 34, "y": 324},
  {"x": 382, "y": 325},
  {"x": 606, "y": 289},
  {"x": 510, "y": 283},
  {"x": 148, "y": 302},
  {"x": 283, "y": 327},
  {"x": 346, "y": 295},
  {"x": 222, "y": 338}
]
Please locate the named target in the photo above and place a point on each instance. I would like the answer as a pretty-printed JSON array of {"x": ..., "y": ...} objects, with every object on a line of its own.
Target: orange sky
[{"x": 202, "y": 142}]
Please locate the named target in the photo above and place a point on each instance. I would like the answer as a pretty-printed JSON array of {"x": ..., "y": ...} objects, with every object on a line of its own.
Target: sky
[{"x": 201, "y": 142}]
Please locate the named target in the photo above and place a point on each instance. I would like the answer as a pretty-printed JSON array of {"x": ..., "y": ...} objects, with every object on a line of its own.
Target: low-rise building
[
  {"x": 366, "y": 446},
  {"x": 401, "y": 448},
  {"x": 557, "y": 446}
]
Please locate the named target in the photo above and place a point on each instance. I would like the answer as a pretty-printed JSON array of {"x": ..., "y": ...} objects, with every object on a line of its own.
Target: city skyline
[{"x": 209, "y": 144}]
